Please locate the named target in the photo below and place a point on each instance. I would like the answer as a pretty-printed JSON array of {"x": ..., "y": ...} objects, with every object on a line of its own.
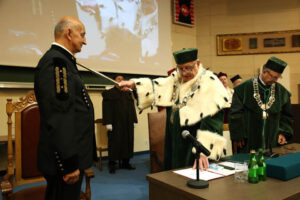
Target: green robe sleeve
[
  {"x": 236, "y": 118},
  {"x": 213, "y": 123},
  {"x": 286, "y": 120}
]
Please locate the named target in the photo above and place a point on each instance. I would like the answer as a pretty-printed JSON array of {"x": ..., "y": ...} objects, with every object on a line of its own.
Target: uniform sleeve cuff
[{"x": 68, "y": 165}]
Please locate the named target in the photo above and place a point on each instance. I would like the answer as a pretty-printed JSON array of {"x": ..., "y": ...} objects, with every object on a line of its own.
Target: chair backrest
[
  {"x": 101, "y": 135},
  {"x": 157, "y": 127},
  {"x": 27, "y": 123}
]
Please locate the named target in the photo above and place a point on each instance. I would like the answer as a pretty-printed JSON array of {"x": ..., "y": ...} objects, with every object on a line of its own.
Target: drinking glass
[{"x": 241, "y": 172}]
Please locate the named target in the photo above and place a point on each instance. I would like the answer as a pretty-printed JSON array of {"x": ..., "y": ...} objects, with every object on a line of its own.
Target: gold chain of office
[
  {"x": 189, "y": 95},
  {"x": 256, "y": 96}
]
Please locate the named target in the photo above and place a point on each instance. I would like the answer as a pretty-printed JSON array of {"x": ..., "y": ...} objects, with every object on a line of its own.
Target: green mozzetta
[{"x": 246, "y": 121}]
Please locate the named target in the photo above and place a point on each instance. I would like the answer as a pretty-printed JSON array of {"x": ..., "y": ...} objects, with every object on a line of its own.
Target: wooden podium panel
[{"x": 170, "y": 186}]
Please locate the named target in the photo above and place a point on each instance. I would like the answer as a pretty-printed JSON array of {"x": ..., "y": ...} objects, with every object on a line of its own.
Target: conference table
[{"x": 170, "y": 186}]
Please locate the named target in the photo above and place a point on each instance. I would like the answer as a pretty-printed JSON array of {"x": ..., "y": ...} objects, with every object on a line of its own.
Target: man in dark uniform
[
  {"x": 260, "y": 114},
  {"x": 119, "y": 117},
  {"x": 66, "y": 144}
]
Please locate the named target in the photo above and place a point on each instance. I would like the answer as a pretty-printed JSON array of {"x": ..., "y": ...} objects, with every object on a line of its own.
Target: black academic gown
[
  {"x": 245, "y": 116},
  {"x": 119, "y": 111},
  {"x": 66, "y": 140}
]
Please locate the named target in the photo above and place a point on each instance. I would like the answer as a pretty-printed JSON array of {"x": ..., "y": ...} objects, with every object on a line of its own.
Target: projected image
[
  {"x": 123, "y": 36},
  {"x": 119, "y": 29},
  {"x": 21, "y": 28}
]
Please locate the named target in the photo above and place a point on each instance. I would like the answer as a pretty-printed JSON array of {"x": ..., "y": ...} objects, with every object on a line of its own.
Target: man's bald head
[
  {"x": 70, "y": 33},
  {"x": 65, "y": 23}
]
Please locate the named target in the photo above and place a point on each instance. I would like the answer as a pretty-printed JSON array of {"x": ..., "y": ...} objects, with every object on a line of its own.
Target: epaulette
[{"x": 61, "y": 78}]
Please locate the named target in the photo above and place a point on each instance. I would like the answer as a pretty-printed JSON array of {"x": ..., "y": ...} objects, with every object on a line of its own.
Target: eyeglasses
[
  {"x": 187, "y": 68},
  {"x": 274, "y": 77}
]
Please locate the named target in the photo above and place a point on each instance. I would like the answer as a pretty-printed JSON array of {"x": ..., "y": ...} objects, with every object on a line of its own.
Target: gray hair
[{"x": 61, "y": 26}]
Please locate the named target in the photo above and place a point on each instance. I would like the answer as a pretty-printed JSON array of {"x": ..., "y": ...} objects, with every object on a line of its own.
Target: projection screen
[{"x": 123, "y": 36}]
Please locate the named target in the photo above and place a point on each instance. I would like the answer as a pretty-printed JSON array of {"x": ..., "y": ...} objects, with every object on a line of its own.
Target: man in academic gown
[
  {"x": 119, "y": 116},
  {"x": 237, "y": 79},
  {"x": 193, "y": 97},
  {"x": 224, "y": 79},
  {"x": 260, "y": 114}
]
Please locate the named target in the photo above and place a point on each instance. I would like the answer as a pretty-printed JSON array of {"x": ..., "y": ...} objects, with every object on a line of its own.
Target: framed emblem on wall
[
  {"x": 184, "y": 12},
  {"x": 258, "y": 43}
]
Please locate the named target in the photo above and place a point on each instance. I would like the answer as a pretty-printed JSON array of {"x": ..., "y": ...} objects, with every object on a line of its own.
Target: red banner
[{"x": 184, "y": 12}]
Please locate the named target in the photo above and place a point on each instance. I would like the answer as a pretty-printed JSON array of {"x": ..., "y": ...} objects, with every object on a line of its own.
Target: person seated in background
[
  {"x": 193, "y": 97},
  {"x": 237, "y": 79},
  {"x": 260, "y": 114},
  {"x": 119, "y": 116},
  {"x": 223, "y": 78}
]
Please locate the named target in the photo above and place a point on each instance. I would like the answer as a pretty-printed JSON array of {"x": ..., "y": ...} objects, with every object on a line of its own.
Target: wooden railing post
[{"x": 9, "y": 111}]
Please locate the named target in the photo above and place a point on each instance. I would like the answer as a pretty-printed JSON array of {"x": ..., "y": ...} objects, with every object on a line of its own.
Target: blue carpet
[{"x": 123, "y": 185}]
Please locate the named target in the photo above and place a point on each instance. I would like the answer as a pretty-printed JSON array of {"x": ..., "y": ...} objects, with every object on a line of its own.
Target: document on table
[{"x": 210, "y": 174}]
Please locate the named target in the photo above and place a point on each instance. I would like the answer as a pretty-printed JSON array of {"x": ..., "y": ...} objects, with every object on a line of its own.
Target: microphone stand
[
  {"x": 270, "y": 153},
  {"x": 198, "y": 183}
]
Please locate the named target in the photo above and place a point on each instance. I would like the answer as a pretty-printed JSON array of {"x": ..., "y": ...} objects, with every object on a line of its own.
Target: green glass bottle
[
  {"x": 262, "y": 168},
  {"x": 252, "y": 168}
]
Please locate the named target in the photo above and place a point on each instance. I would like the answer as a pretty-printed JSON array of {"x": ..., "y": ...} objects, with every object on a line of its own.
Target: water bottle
[
  {"x": 252, "y": 168},
  {"x": 262, "y": 168}
]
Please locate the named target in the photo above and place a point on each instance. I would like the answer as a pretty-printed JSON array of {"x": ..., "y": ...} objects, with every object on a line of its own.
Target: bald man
[{"x": 66, "y": 143}]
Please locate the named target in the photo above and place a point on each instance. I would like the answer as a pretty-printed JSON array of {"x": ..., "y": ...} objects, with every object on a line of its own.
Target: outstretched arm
[{"x": 127, "y": 85}]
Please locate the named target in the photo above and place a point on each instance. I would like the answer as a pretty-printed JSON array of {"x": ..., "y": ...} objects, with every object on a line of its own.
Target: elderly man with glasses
[
  {"x": 260, "y": 114},
  {"x": 194, "y": 97}
]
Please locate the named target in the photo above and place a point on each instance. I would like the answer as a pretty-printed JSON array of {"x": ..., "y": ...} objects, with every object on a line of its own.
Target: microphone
[{"x": 186, "y": 135}]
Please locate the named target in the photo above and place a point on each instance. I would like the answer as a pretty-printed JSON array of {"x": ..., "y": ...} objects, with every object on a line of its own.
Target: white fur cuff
[
  {"x": 215, "y": 143},
  {"x": 144, "y": 90}
]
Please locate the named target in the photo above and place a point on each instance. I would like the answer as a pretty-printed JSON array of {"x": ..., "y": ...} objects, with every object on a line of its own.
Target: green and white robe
[{"x": 205, "y": 96}]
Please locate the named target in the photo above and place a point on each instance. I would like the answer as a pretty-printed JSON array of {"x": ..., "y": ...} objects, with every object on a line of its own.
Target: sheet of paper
[
  {"x": 204, "y": 175},
  {"x": 211, "y": 173}
]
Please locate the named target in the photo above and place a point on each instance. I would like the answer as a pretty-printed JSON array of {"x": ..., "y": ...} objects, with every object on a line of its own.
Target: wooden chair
[
  {"x": 101, "y": 139},
  {"x": 27, "y": 120},
  {"x": 157, "y": 127}
]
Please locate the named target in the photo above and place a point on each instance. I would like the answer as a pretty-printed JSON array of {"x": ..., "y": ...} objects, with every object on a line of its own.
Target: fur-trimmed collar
[{"x": 205, "y": 95}]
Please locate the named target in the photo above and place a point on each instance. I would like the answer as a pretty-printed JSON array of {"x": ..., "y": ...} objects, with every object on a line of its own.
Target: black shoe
[
  {"x": 112, "y": 169},
  {"x": 128, "y": 166}
]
